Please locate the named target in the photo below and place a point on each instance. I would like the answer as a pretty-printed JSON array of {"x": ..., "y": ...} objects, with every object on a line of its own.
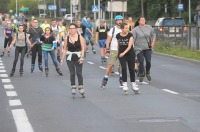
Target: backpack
[{"x": 25, "y": 40}]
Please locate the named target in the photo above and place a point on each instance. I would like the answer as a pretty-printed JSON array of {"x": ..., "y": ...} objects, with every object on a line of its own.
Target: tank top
[
  {"x": 74, "y": 47},
  {"x": 8, "y": 32}
]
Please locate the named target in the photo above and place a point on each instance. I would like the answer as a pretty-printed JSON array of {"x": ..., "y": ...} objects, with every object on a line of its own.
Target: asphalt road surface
[{"x": 34, "y": 102}]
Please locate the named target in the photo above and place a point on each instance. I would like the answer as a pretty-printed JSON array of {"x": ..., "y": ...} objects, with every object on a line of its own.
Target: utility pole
[
  {"x": 86, "y": 8},
  {"x": 55, "y": 10},
  {"x": 79, "y": 9},
  {"x": 142, "y": 7},
  {"x": 179, "y": 11},
  {"x": 189, "y": 12}
]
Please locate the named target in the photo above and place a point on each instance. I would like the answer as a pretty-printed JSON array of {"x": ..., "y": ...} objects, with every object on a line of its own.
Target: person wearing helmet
[{"x": 112, "y": 47}]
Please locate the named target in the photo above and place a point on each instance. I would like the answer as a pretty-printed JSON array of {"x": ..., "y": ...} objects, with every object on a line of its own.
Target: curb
[{"x": 177, "y": 57}]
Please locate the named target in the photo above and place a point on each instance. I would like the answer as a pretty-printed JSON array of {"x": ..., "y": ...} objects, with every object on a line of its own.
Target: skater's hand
[
  {"x": 80, "y": 61},
  {"x": 62, "y": 62},
  {"x": 52, "y": 48},
  {"x": 121, "y": 55}
]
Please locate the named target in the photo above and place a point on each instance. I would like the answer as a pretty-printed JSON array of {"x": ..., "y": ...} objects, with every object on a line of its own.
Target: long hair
[{"x": 137, "y": 22}]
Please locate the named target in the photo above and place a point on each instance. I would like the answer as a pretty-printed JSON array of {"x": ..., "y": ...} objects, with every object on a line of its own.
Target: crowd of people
[{"x": 128, "y": 42}]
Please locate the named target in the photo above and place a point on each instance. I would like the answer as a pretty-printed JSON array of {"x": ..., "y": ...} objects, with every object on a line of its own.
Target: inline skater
[
  {"x": 112, "y": 47},
  {"x": 101, "y": 36},
  {"x": 126, "y": 56}
]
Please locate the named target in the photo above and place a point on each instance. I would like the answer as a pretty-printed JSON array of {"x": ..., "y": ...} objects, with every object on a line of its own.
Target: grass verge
[{"x": 180, "y": 50}]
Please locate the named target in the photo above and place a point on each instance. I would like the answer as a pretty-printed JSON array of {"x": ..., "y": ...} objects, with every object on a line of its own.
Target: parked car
[
  {"x": 69, "y": 17},
  {"x": 171, "y": 27}
]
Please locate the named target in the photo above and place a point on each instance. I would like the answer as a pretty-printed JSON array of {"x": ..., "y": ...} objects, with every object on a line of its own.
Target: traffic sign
[
  {"x": 52, "y": 7},
  {"x": 63, "y": 10},
  {"x": 180, "y": 7},
  {"x": 95, "y": 8}
]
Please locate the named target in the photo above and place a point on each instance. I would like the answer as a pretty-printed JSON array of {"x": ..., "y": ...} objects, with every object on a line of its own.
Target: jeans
[
  {"x": 53, "y": 57},
  {"x": 88, "y": 39},
  {"x": 75, "y": 68},
  {"x": 18, "y": 50},
  {"x": 145, "y": 54}
]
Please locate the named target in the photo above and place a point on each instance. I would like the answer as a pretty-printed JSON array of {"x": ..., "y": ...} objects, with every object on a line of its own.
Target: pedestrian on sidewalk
[
  {"x": 49, "y": 46},
  {"x": 126, "y": 56},
  {"x": 20, "y": 40},
  {"x": 74, "y": 51},
  {"x": 144, "y": 40},
  {"x": 34, "y": 34}
]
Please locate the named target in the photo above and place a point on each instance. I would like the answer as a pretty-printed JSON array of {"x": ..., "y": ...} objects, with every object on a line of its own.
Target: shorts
[
  {"x": 102, "y": 43},
  {"x": 113, "y": 57}
]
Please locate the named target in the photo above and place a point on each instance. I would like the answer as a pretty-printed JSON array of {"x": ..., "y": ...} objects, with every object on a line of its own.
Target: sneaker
[
  {"x": 87, "y": 51},
  {"x": 141, "y": 78},
  {"x": 104, "y": 81},
  {"x": 148, "y": 76},
  {"x": 94, "y": 51}
]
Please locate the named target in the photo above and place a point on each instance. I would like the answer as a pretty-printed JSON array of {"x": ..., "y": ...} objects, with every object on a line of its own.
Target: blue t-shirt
[
  {"x": 8, "y": 32},
  {"x": 89, "y": 26}
]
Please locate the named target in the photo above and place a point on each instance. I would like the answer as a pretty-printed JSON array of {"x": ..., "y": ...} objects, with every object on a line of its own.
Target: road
[{"x": 33, "y": 102}]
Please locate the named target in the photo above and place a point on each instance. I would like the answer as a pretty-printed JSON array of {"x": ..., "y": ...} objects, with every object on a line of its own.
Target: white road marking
[
  {"x": 102, "y": 67},
  {"x": 1, "y": 64},
  {"x": 5, "y": 80},
  {"x": 9, "y": 86},
  {"x": 90, "y": 62},
  {"x": 2, "y": 67},
  {"x": 169, "y": 91},
  {"x": 11, "y": 93},
  {"x": 0, "y": 60},
  {"x": 3, "y": 75},
  {"x": 16, "y": 102},
  {"x": 1, "y": 71},
  {"x": 21, "y": 121}
]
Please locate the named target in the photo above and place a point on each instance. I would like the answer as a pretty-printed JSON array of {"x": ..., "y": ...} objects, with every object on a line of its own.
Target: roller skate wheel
[{"x": 126, "y": 92}]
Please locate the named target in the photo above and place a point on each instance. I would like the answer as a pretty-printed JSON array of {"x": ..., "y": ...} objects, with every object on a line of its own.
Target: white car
[{"x": 69, "y": 17}]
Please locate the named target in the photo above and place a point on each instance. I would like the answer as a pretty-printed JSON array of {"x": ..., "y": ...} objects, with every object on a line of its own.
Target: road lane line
[
  {"x": 1, "y": 64},
  {"x": 3, "y": 75},
  {"x": 1, "y": 71},
  {"x": 169, "y": 91},
  {"x": 9, "y": 86},
  {"x": 11, "y": 93},
  {"x": 5, "y": 80},
  {"x": 90, "y": 62},
  {"x": 21, "y": 121},
  {"x": 16, "y": 102},
  {"x": 102, "y": 67}
]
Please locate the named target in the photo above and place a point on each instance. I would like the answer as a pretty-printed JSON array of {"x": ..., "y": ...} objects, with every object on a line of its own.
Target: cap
[{"x": 102, "y": 20}]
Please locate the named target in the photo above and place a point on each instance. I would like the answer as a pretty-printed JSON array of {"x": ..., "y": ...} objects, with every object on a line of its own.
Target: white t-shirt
[
  {"x": 55, "y": 32},
  {"x": 114, "y": 42}
]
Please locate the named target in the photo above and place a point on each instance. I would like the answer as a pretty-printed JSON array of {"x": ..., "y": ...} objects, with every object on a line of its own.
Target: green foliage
[{"x": 177, "y": 50}]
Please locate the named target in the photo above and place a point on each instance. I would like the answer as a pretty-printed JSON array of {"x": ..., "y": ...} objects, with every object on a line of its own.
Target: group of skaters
[{"x": 125, "y": 41}]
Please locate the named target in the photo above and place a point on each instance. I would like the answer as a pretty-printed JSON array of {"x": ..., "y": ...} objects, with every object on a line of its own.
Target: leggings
[
  {"x": 145, "y": 54},
  {"x": 75, "y": 68},
  {"x": 7, "y": 41},
  {"x": 130, "y": 60},
  {"x": 36, "y": 48},
  {"x": 19, "y": 50}
]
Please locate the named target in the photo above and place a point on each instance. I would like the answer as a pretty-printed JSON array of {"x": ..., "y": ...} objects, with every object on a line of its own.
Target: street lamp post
[
  {"x": 189, "y": 12},
  {"x": 16, "y": 6}
]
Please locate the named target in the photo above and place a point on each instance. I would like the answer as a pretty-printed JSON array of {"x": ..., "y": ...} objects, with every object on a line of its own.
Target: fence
[{"x": 186, "y": 35}]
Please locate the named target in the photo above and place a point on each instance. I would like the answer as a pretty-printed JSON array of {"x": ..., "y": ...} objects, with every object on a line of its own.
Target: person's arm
[
  {"x": 64, "y": 49},
  {"x": 28, "y": 40},
  {"x": 153, "y": 36},
  {"x": 97, "y": 35},
  {"x": 130, "y": 44},
  {"x": 12, "y": 43},
  {"x": 5, "y": 34},
  {"x": 82, "y": 50}
]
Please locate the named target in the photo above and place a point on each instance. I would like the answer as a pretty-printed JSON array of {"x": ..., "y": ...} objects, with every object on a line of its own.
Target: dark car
[{"x": 171, "y": 27}]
